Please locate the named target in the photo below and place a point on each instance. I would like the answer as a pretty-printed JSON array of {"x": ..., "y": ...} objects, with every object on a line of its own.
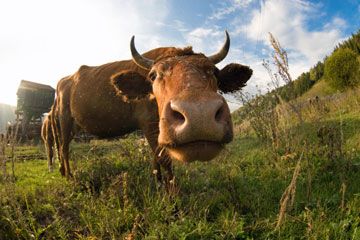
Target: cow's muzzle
[{"x": 195, "y": 128}]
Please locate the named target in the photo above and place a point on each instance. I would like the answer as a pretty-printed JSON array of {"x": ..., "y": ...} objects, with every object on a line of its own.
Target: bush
[{"x": 342, "y": 69}]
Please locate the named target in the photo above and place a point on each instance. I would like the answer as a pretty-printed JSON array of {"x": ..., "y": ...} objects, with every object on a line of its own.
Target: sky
[{"x": 45, "y": 40}]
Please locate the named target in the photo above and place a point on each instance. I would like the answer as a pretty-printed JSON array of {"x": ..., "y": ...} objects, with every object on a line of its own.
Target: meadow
[{"x": 301, "y": 183}]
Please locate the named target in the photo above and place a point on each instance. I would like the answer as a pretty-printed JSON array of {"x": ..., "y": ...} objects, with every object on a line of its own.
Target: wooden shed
[
  {"x": 34, "y": 97},
  {"x": 33, "y": 100}
]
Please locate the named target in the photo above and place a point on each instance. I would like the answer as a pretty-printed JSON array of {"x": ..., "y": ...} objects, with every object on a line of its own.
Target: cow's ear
[
  {"x": 233, "y": 77},
  {"x": 131, "y": 85}
]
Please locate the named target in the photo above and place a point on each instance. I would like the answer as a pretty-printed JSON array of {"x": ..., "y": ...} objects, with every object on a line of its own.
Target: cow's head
[{"x": 195, "y": 119}]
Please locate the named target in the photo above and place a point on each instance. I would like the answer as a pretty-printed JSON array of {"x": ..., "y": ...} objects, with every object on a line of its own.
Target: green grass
[
  {"x": 321, "y": 89},
  {"x": 114, "y": 195}
]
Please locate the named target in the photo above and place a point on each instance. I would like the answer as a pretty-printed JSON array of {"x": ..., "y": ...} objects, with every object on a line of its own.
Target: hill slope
[
  {"x": 320, "y": 89},
  {"x": 236, "y": 196}
]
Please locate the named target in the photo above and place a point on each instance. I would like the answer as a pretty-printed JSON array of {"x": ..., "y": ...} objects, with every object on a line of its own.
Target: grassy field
[{"x": 237, "y": 196}]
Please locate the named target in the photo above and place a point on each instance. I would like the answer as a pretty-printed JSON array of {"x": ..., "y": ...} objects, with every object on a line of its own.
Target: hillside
[
  {"x": 320, "y": 88},
  {"x": 306, "y": 177},
  {"x": 6, "y": 114}
]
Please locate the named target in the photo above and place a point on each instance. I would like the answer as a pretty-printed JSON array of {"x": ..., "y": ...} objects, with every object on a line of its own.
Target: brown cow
[
  {"x": 59, "y": 120},
  {"x": 48, "y": 138},
  {"x": 171, "y": 94}
]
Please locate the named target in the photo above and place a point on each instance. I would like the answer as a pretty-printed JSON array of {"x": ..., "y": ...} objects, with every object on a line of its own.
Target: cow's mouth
[{"x": 194, "y": 151}]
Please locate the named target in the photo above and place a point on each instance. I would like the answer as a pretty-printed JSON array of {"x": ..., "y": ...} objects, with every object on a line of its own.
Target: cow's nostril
[
  {"x": 177, "y": 116},
  {"x": 219, "y": 114}
]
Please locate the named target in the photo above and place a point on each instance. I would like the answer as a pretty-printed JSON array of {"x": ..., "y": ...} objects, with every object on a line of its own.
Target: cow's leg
[
  {"x": 170, "y": 183},
  {"x": 151, "y": 132},
  {"x": 52, "y": 147},
  {"x": 50, "y": 144},
  {"x": 57, "y": 133},
  {"x": 46, "y": 136},
  {"x": 66, "y": 123},
  {"x": 55, "y": 129},
  {"x": 50, "y": 152},
  {"x": 156, "y": 163},
  {"x": 161, "y": 159},
  {"x": 156, "y": 168},
  {"x": 48, "y": 155}
]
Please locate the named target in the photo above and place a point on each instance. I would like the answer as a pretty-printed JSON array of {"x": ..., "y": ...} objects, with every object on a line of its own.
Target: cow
[
  {"x": 59, "y": 115},
  {"x": 171, "y": 94},
  {"x": 48, "y": 139}
]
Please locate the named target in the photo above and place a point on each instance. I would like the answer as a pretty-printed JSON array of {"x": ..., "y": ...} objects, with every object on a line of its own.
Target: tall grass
[
  {"x": 308, "y": 134},
  {"x": 8, "y": 143}
]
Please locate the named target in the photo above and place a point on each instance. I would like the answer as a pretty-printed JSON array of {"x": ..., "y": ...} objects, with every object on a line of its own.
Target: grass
[
  {"x": 234, "y": 197},
  {"x": 321, "y": 89},
  {"x": 109, "y": 198},
  {"x": 114, "y": 196}
]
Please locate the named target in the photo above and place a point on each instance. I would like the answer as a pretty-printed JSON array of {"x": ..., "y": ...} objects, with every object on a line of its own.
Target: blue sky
[{"x": 43, "y": 40}]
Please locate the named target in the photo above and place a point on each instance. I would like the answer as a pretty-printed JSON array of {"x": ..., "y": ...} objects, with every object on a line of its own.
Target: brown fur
[
  {"x": 48, "y": 138},
  {"x": 117, "y": 98}
]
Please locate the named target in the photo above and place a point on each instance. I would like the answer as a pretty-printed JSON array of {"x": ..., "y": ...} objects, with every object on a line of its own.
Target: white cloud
[
  {"x": 287, "y": 21},
  {"x": 205, "y": 40},
  {"x": 228, "y": 8},
  {"x": 44, "y": 40},
  {"x": 336, "y": 22},
  {"x": 175, "y": 25}
]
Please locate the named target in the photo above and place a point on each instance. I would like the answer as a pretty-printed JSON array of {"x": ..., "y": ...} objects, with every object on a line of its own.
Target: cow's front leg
[
  {"x": 156, "y": 169},
  {"x": 170, "y": 180}
]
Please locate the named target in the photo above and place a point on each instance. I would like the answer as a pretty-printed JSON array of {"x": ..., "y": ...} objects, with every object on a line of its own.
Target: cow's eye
[{"x": 153, "y": 76}]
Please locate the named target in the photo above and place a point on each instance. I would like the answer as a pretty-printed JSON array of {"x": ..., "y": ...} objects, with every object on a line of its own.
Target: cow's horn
[
  {"x": 219, "y": 56},
  {"x": 138, "y": 59}
]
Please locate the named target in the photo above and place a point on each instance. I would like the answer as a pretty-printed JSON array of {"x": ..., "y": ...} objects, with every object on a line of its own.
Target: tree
[
  {"x": 352, "y": 43},
  {"x": 317, "y": 71},
  {"x": 303, "y": 83},
  {"x": 342, "y": 69}
]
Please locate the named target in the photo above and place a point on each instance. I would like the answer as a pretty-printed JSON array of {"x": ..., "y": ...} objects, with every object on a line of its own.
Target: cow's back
[{"x": 94, "y": 104}]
